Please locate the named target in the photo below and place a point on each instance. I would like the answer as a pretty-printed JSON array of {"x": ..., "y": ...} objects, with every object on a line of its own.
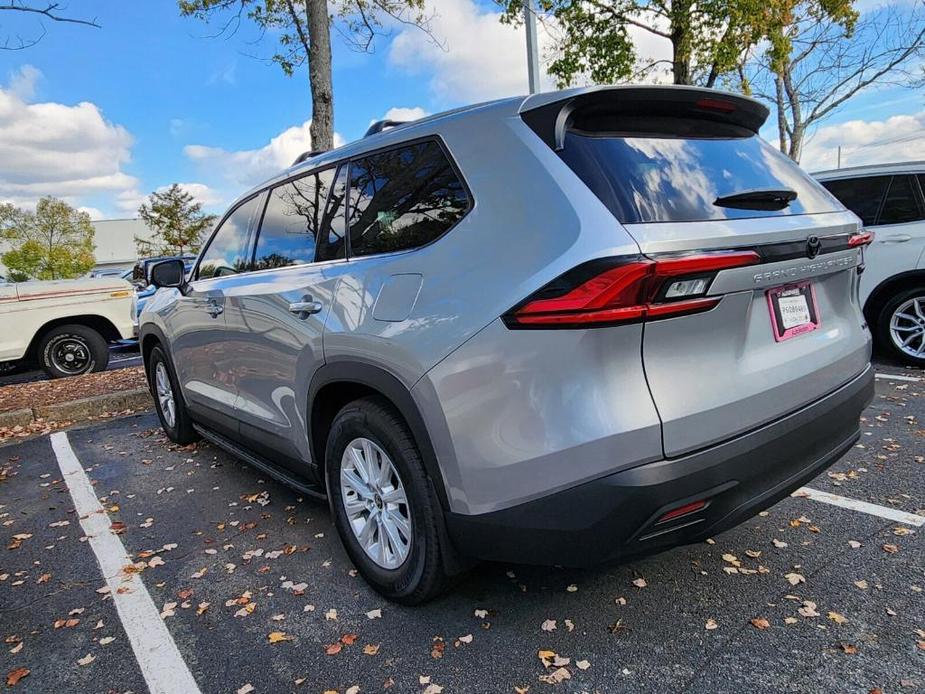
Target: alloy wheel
[
  {"x": 907, "y": 327},
  {"x": 165, "y": 394},
  {"x": 375, "y": 503}
]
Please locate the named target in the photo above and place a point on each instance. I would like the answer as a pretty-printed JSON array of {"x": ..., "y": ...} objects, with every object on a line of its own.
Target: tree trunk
[
  {"x": 681, "y": 41},
  {"x": 796, "y": 144},
  {"x": 781, "y": 115},
  {"x": 319, "y": 74}
]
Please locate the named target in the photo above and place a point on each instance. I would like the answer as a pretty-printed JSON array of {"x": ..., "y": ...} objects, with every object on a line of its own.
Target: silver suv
[{"x": 564, "y": 329}]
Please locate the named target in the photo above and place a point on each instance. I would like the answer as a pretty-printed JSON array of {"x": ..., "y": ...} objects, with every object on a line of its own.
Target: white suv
[{"x": 889, "y": 200}]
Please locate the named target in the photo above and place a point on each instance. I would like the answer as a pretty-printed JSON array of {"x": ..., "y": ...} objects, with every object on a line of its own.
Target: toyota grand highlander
[{"x": 568, "y": 328}]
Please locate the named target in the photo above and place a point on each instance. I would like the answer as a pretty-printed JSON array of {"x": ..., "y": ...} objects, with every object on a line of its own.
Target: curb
[{"x": 79, "y": 410}]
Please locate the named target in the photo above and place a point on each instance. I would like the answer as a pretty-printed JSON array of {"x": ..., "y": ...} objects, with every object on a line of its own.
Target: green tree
[
  {"x": 176, "y": 221},
  {"x": 707, "y": 38},
  {"x": 54, "y": 242},
  {"x": 821, "y": 53},
  {"x": 303, "y": 30}
]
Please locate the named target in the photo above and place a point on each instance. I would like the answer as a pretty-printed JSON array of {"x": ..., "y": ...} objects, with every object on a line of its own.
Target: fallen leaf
[
  {"x": 549, "y": 625},
  {"x": 331, "y": 615},
  {"x": 582, "y": 664},
  {"x": 556, "y": 676},
  {"x": 278, "y": 637},
  {"x": 13, "y": 676},
  {"x": 371, "y": 649},
  {"x": 348, "y": 639},
  {"x": 862, "y": 584},
  {"x": 760, "y": 623},
  {"x": 808, "y": 609},
  {"x": 780, "y": 544},
  {"x": 374, "y": 614},
  {"x": 86, "y": 660},
  {"x": 246, "y": 689},
  {"x": 837, "y": 618},
  {"x": 711, "y": 625},
  {"x": 890, "y": 549},
  {"x": 795, "y": 578},
  {"x": 333, "y": 649},
  {"x": 640, "y": 583},
  {"x": 481, "y": 614},
  {"x": 572, "y": 588},
  {"x": 848, "y": 648},
  {"x": 854, "y": 544}
]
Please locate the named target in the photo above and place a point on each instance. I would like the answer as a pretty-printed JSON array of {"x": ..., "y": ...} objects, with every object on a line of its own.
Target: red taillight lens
[
  {"x": 720, "y": 105},
  {"x": 863, "y": 239},
  {"x": 623, "y": 290}
]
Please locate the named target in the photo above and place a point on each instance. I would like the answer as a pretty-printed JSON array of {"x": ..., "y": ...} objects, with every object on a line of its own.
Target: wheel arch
[
  {"x": 887, "y": 289},
  {"x": 337, "y": 383},
  {"x": 94, "y": 321}
]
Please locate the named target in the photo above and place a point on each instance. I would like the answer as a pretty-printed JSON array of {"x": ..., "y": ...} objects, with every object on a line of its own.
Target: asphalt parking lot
[
  {"x": 257, "y": 595},
  {"x": 121, "y": 356}
]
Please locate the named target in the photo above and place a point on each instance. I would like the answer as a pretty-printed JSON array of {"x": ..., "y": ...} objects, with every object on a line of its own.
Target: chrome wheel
[
  {"x": 71, "y": 356},
  {"x": 165, "y": 394},
  {"x": 375, "y": 503},
  {"x": 907, "y": 327}
]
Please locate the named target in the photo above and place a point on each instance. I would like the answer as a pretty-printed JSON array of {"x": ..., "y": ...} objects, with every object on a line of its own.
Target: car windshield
[{"x": 675, "y": 179}]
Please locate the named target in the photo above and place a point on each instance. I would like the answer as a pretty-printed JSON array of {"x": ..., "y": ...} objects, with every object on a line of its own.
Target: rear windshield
[{"x": 675, "y": 179}]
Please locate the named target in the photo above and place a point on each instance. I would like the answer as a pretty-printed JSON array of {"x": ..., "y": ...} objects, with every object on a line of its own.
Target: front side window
[
  {"x": 902, "y": 202},
  {"x": 403, "y": 198},
  {"x": 289, "y": 231},
  {"x": 229, "y": 250},
  {"x": 860, "y": 195}
]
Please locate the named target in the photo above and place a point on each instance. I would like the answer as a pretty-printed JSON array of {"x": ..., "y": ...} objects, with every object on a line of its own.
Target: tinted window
[
  {"x": 901, "y": 204},
  {"x": 860, "y": 195},
  {"x": 291, "y": 221},
  {"x": 678, "y": 179},
  {"x": 403, "y": 198},
  {"x": 331, "y": 245},
  {"x": 228, "y": 251}
]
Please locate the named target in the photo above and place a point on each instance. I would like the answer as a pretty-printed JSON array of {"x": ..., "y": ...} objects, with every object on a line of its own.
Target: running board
[{"x": 261, "y": 464}]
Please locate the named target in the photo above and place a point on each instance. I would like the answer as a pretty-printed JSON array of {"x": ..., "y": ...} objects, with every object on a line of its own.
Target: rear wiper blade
[{"x": 758, "y": 199}]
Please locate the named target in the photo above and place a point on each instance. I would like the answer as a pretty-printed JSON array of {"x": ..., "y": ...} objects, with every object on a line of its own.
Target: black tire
[
  {"x": 71, "y": 350},
  {"x": 884, "y": 334},
  {"x": 421, "y": 576},
  {"x": 181, "y": 431}
]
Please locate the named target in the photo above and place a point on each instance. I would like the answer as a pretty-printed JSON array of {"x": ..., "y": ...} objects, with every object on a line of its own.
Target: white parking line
[
  {"x": 862, "y": 506},
  {"x": 897, "y": 377},
  {"x": 161, "y": 664}
]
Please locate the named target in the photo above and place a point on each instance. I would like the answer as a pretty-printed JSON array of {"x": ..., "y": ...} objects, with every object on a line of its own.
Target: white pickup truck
[{"x": 65, "y": 325}]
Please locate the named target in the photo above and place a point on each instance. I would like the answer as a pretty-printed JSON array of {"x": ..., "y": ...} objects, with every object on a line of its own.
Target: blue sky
[{"x": 165, "y": 102}]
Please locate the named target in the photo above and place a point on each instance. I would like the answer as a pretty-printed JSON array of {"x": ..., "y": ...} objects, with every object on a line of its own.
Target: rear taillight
[
  {"x": 863, "y": 239},
  {"x": 627, "y": 289}
]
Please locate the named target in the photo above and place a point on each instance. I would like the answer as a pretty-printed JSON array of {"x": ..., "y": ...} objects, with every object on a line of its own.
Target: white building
[{"x": 115, "y": 242}]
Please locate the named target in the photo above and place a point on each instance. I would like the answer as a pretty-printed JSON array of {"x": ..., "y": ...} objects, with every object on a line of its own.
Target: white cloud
[
  {"x": 897, "y": 138},
  {"x": 480, "y": 58},
  {"x": 56, "y": 149},
  {"x": 248, "y": 167},
  {"x": 405, "y": 113},
  {"x": 201, "y": 193},
  {"x": 93, "y": 212}
]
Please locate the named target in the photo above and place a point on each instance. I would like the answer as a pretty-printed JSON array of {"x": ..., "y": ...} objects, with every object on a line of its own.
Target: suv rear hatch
[{"x": 750, "y": 291}]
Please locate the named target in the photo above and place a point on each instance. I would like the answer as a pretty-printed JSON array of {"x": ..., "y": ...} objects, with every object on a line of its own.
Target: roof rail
[
  {"x": 307, "y": 155},
  {"x": 381, "y": 125}
]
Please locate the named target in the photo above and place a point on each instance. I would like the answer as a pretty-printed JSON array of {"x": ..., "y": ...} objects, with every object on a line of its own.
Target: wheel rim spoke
[
  {"x": 375, "y": 503},
  {"x": 907, "y": 327}
]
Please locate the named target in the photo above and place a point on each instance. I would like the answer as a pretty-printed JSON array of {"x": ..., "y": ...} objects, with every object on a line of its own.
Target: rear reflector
[
  {"x": 682, "y": 511},
  {"x": 628, "y": 289}
]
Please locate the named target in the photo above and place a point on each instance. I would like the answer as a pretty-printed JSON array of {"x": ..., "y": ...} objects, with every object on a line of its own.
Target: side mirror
[{"x": 168, "y": 273}]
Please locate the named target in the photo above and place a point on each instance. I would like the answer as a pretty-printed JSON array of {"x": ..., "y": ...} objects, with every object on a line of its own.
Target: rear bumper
[{"x": 615, "y": 517}]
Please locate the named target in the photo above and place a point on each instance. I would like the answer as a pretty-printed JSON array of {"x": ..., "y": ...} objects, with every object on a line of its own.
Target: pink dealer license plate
[{"x": 793, "y": 310}]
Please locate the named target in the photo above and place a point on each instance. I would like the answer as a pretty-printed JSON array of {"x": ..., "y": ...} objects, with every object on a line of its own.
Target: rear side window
[
  {"x": 331, "y": 243},
  {"x": 902, "y": 202},
  {"x": 662, "y": 178},
  {"x": 860, "y": 195},
  {"x": 403, "y": 198},
  {"x": 228, "y": 252},
  {"x": 294, "y": 214}
]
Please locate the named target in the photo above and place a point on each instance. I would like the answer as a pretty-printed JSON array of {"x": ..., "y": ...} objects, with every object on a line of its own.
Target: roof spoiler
[{"x": 598, "y": 109}]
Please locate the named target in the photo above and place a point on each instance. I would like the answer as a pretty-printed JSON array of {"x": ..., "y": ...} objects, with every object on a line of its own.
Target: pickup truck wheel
[
  {"x": 171, "y": 410},
  {"x": 69, "y": 350},
  {"x": 385, "y": 509},
  {"x": 901, "y": 326}
]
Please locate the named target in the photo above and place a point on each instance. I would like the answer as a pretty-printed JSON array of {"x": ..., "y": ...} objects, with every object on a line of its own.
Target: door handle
[
  {"x": 214, "y": 309},
  {"x": 305, "y": 308},
  {"x": 897, "y": 238}
]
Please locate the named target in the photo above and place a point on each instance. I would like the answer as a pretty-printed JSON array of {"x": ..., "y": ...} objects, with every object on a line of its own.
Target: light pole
[{"x": 533, "y": 58}]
